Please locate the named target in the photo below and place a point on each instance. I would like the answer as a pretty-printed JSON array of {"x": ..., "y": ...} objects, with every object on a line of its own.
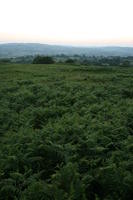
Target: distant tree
[
  {"x": 43, "y": 60},
  {"x": 69, "y": 61},
  {"x": 5, "y": 60},
  {"x": 125, "y": 63}
]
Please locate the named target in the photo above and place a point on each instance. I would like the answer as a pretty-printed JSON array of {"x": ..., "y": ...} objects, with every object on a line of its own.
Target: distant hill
[{"x": 23, "y": 49}]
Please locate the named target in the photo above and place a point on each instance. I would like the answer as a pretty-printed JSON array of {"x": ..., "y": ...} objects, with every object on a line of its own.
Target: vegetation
[
  {"x": 75, "y": 59},
  {"x": 43, "y": 60},
  {"x": 4, "y": 60},
  {"x": 70, "y": 61},
  {"x": 66, "y": 132}
]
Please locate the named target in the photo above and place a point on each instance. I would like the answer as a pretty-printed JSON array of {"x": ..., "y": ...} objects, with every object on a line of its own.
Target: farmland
[{"x": 66, "y": 132}]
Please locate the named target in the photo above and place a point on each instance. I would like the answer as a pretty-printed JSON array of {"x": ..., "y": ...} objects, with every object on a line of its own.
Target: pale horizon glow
[{"x": 67, "y": 22}]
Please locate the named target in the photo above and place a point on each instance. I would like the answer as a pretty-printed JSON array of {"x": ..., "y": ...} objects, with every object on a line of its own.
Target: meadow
[{"x": 66, "y": 132}]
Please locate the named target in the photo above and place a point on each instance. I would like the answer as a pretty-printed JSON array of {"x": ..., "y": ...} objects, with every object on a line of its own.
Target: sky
[{"x": 67, "y": 22}]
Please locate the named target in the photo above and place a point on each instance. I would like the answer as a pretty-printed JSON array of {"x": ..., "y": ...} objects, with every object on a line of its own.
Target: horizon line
[{"x": 71, "y": 45}]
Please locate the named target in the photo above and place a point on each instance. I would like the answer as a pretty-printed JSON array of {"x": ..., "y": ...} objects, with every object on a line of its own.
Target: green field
[{"x": 66, "y": 132}]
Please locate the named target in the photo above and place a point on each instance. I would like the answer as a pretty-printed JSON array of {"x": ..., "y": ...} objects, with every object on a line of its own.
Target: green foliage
[
  {"x": 69, "y": 61},
  {"x": 43, "y": 60},
  {"x": 66, "y": 133},
  {"x": 5, "y": 60}
]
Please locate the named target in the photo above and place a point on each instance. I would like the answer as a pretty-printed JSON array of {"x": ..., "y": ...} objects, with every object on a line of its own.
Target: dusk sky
[{"x": 67, "y": 22}]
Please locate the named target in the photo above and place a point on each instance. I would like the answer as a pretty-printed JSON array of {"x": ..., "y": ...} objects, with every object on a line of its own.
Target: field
[{"x": 66, "y": 132}]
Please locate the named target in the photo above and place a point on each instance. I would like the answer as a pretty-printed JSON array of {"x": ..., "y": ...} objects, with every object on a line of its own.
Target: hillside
[{"x": 23, "y": 49}]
